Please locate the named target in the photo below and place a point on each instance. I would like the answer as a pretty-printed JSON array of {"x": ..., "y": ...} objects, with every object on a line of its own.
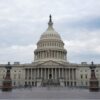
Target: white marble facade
[{"x": 50, "y": 65}]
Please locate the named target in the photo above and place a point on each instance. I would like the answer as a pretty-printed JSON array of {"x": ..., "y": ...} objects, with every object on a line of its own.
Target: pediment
[{"x": 54, "y": 63}]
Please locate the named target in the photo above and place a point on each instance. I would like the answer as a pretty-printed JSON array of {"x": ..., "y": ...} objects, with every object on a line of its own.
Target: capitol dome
[{"x": 50, "y": 46}]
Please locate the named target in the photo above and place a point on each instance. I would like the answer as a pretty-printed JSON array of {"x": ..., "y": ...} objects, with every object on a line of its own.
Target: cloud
[
  {"x": 17, "y": 53},
  {"x": 23, "y": 21},
  {"x": 83, "y": 50}
]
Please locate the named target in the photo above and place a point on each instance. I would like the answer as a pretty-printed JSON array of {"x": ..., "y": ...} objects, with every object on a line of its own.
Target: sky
[{"x": 23, "y": 21}]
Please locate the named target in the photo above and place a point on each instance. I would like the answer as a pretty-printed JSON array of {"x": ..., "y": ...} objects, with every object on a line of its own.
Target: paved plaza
[{"x": 49, "y": 93}]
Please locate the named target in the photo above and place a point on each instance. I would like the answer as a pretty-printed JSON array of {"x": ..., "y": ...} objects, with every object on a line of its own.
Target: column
[
  {"x": 57, "y": 55},
  {"x": 38, "y": 55},
  {"x": 50, "y": 53},
  {"x": 31, "y": 74},
  {"x": 35, "y": 74},
  {"x": 42, "y": 54},
  {"x": 66, "y": 73},
  {"x": 61, "y": 54},
  {"x": 55, "y": 73},
  {"x": 46, "y": 54},
  {"x": 25, "y": 73},
  {"x": 41, "y": 73},
  {"x": 48, "y": 73},
  {"x": 45, "y": 73},
  {"x": 53, "y": 54},
  {"x": 72, "y": 76},
  {"x": 69, "y": 76},
  {"x": 52, "y": 73},
  {"x": 59, "y": 73},
  {"x": 62, "y": 72}
]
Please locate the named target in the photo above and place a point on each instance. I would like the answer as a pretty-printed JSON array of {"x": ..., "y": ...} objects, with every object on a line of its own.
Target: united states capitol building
[{"x": 50, "y": 65}]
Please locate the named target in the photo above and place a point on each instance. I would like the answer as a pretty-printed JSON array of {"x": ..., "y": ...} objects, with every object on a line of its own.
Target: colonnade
[
  {"x": 68, "y": 74},
  {"x": 50, "y": 54}
]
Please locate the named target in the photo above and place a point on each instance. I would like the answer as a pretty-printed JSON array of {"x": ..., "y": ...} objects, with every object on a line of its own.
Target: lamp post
[
  {"x": 93, "y": 83},
  {"x": 7, "y": 82}
]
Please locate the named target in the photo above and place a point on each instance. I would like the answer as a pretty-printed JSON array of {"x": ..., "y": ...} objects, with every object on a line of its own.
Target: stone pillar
[
  {"x": 38, "y": 72},
  {"x": 27, "y": 74},
  {"x": 57, "y": 55},
  {"x": 52, "y": 73},
  {"x": 35, "y": 74},
  {"x": 45, "y": 73},
  {"x": 67, "y": 74},
  {"x": 46, "y": 54},
  {"x": 31, "y": 74},
  {"x": 55, "y": 73},
  {"x": 75, "y": 74},
  {"x": 42, "y": 54},
  {"x": 61, "y": 54},
  {"x": 41, "y": 73},
  {"x": 62, "y": 73},
  {"x": 50, "y": 54},
  {"x": 48, "y": 73},
  {"x": 69, "y": 77},
  {"x": 59, "y": 73},
  {"x": 38, "y": 55},
  {"x": 72, "y": 74}
]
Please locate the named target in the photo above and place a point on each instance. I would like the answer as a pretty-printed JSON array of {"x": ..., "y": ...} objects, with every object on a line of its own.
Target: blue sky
[{"x": 23, "y": 21}]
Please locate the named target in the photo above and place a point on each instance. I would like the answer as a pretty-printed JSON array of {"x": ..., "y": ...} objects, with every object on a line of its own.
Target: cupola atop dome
[
  {"x": 50, "y": 33},
  {"x": 50, "y": 23}
]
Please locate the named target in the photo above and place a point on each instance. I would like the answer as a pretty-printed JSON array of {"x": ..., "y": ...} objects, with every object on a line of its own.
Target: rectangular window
[
  {"x": 86, "y": 76},
  {"x": 81, "y": 76}
]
